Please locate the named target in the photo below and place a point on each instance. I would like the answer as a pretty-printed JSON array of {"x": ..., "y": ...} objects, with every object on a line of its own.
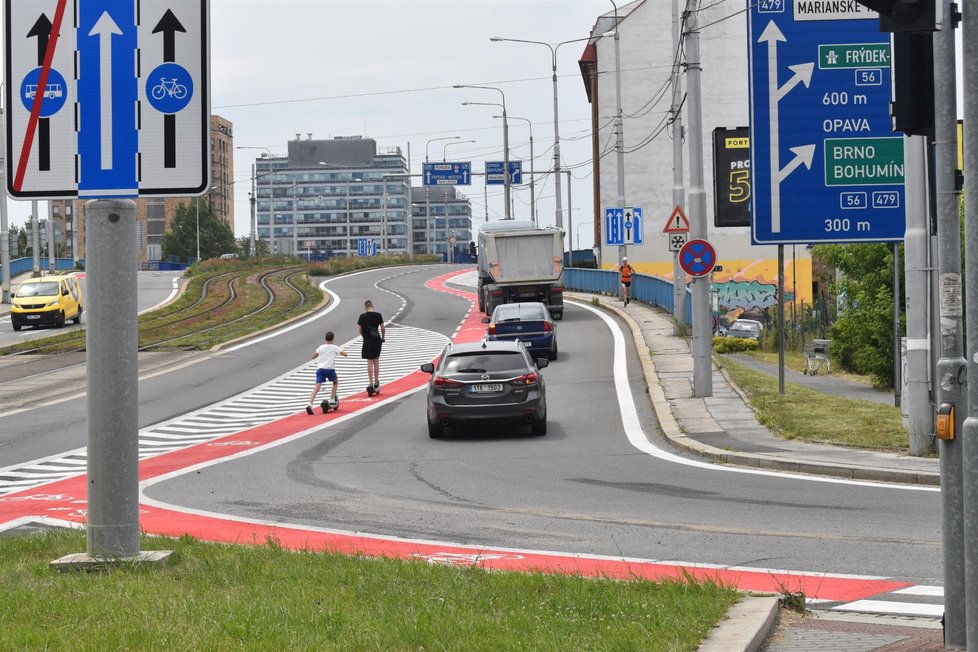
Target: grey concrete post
[
  {"x": 951, "y": 367},
  {"x": 919, "y": 412},
  {"x": 619, "y": 126},
  {"x": 35, "y": 239},
  {"x": 678, "y": 188},
  {"x": 969, "y": 436},
  {"x": 4, "y": 231},
  {"x": 702, "y": 320},
  {"x": 780, "y": 311},
  {"x": 113, "y": 407},
  {"x": 51, "y": 239}
]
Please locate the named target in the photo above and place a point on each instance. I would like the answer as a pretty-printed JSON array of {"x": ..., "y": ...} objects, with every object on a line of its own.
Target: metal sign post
[{"x": 108, "y": 100}]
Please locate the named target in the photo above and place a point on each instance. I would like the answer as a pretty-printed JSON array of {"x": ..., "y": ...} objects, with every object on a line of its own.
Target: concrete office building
[
  {"x": 749, "y": 277},
  {"x": 333, "y": 198},
  {"x": 447, "y": 231}
]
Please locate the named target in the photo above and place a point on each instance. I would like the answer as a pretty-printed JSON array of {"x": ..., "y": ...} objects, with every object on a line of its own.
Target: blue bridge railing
[
  {"x": 653, "y": 290},
  {"x": 20, "y": 266}
]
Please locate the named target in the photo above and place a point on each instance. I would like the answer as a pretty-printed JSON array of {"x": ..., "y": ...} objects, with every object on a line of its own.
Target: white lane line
[
  {"x": 639, "y": 439},
  {"x": 899, "y": 608},
  {"x": 173, "y": 293},
  {"x": 922, "y": 589}
]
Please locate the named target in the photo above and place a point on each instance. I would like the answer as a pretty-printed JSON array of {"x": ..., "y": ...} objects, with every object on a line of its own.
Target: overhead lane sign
[
  {"x": 108, "y": 98},
  {"x": 447, "y": 174},
  {"x": 494, "y": 172},
  {"x": 825, "y": 165}
]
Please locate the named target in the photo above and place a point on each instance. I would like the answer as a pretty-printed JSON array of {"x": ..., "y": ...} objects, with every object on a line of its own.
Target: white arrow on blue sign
[
  {"x": 451, "y": 173},
  {"x": 141, "y": 98},
  {"x": 624, "y": 226},
  {"x": 366, "y": 247},
  {"x": 494, "y": 173}
]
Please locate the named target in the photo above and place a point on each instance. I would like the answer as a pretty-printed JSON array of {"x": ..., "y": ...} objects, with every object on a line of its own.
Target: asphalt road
[{"x": 582, "y": 488}]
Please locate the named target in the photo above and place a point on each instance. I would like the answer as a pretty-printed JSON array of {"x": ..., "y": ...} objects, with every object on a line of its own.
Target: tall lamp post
[
  {"x": 253, "y": 197},
  {"x": 559, "y": 221},
  {"x": 533, "y": 192},
  {"x": 444, "y": 149},
  {"x": 506, "y": 179},
  {"x": 427, "y": 195}
]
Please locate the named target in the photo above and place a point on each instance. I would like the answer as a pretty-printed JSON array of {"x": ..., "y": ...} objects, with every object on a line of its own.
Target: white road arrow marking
[
  {"x": 772, "y": 35},
  {"x": 104, "y": 28},
  {"x": 803, "y": 74},
  {"x": 803, "y": 155}
]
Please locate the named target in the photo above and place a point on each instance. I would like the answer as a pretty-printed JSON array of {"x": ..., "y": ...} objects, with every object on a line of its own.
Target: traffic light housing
[
  {"x": 905, "y": 15},
  {"x": 913, "y": 84}
]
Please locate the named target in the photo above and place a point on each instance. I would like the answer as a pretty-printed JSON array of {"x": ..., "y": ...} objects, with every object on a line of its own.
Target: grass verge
[
  {"x": 809, "y": 415},
  {"x": 220, "y": 597}
]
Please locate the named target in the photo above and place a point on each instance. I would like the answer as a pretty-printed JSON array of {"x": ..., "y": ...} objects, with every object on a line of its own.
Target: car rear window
[
  {"x": 518, "y": 312},
  {"x": 482, "y": 362}
]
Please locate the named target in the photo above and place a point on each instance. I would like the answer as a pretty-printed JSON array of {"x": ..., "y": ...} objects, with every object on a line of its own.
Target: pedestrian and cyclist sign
[
  {"x": 106, "y": 98},
  {"x": 825, "y": 163}
]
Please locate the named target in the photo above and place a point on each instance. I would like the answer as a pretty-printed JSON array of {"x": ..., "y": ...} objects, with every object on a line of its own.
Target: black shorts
[{"x": 626, "y": 283}]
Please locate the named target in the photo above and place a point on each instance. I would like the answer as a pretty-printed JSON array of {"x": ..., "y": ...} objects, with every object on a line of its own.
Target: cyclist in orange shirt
[{"x": 625, "y": 272}]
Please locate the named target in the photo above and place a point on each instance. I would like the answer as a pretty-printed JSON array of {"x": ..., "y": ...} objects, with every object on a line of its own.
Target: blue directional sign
[
  {"x": 447, "y": 174},
  {"x": 825, "y": 164},
  {"x": 107, "y": 98},
  {"x": 624, "y": 226},
  {"x": 366, "y": 247},
  {"x": 634, "y": 225},
  {"x": 494, "y": 172}
]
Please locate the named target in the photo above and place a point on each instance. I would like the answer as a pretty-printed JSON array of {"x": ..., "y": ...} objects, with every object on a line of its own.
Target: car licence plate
[
  {"x": 485, "y": 388},
  {"x": 32, "y": 317}
]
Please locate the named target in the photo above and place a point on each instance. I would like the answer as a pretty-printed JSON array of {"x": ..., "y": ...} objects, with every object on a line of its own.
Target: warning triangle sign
[{"x": 677, "y": 222}]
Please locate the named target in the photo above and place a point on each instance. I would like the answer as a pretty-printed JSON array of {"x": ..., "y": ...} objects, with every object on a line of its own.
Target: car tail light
[
  {"x": 556, "y": 290},
  {"x": 526, "y": 379},
  {"x": 441, "y": 382},
  {"x": 496, "y": 293},
  {"x": 492, "y": 329},
  {"x": 547, "y": 327}
]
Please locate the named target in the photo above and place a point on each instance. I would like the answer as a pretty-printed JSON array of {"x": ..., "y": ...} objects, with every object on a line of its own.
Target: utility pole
[
  {"x": 619, "y": 127},
  {"x": 969, "y": 436},
  {"x": 702, "y": 322},
  {"x": 949, "y": 382},
  {"x": 4, "y": 230},
  {"x": 35, "y": 239},
  {"x": 678, "y": 189}
]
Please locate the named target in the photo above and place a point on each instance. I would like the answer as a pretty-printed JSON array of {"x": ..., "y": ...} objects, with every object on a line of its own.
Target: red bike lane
[{"x": 65, "y": 501}]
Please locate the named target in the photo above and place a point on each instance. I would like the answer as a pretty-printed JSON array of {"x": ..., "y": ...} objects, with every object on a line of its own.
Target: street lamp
[
  {"x": 533, "y": 203},
  {"x": 553, "y": 66},
  {"x": 253, "y": 198},
  {"x": 427, "y": 196},
  {"x": 506, "y": 179},
  {"x": 447, "y": 145}
]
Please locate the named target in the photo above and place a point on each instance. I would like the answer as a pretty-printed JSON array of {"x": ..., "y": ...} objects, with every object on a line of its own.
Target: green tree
[
  {"x": 862, "y": 336},
  {"x": 216, "y": 237}
]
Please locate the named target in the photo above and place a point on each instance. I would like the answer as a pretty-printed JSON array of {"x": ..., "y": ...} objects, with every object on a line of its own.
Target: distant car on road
[
  {"x": 745, "y": 328},
  {"x": 486, "y": 382},
  {"x": 529, "y": 322}
]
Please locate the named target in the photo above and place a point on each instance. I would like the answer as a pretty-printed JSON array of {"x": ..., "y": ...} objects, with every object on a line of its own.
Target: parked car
[
  {"x": 486, "y": 382},
  {"x": 49, "y": 300},
  {"x": 529, "y": 322},
  {"x": 746, "y": 328}
]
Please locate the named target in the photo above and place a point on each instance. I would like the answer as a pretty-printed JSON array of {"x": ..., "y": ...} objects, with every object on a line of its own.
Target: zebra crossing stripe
[{"x": 405, "y": 350}]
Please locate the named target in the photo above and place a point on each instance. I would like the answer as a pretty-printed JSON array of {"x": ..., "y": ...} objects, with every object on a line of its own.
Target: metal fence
[
  {"x": 653, "y": 290},
  {"x": 20, "y": 266}
]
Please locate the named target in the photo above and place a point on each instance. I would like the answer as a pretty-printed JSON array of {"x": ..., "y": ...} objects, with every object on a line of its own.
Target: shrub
[{"x": 734, "y": 344}]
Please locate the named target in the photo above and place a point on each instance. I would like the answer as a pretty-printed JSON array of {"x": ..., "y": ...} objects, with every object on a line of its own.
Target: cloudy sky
[{"x": 385, "y": 70}]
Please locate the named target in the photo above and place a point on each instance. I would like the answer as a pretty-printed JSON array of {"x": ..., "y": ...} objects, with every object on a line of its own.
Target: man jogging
[
  {"x": 373, "y": 332},
  {"x": 625, "y": 272}
]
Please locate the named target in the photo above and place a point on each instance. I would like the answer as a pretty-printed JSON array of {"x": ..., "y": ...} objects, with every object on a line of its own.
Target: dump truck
[{"x": 519, "y": 261}]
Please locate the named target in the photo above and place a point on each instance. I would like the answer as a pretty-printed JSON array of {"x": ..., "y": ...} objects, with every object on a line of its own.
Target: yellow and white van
[{"x": 47, "y": 300}]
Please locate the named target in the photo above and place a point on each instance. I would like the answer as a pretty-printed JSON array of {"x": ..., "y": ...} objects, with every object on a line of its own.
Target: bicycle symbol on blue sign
[
  {"x": 169, "y": 88},
  {"x": 53, "y": 96}
]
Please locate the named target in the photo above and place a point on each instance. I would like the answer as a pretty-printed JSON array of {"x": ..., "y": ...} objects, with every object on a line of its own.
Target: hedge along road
[{"x": 583, "y": 489}]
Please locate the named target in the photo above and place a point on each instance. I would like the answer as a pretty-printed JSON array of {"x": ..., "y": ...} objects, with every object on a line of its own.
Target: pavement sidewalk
[{"x": 725, "y": 428}]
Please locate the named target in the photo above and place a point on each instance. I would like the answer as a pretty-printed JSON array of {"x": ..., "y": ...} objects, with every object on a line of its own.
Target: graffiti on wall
[{"x": 746, "y": 295}]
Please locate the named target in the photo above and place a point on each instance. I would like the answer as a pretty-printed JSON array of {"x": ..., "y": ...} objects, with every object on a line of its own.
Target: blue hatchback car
[{"x": 529, "y": 322}]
